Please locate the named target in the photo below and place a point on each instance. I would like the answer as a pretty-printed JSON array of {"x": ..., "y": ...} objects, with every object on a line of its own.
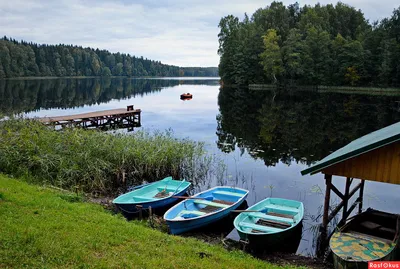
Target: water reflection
[
  {"x": 297, "y": 126},
  {"x": 17, "y": 96}
]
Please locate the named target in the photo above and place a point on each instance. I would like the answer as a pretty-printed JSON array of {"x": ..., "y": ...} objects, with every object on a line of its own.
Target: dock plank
[{"x": 82, "y": 116}]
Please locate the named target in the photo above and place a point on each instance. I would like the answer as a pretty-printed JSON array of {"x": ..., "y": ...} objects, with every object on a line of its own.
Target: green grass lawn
[{"x": 46, "y": 228}]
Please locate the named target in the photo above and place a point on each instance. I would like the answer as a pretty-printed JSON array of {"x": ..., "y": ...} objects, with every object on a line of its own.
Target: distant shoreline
[
  {"x": 328, "y": 89},
  {"x": 82, "y": 77}
]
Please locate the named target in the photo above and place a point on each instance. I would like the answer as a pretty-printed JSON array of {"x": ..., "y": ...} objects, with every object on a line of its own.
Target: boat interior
[
  {"x": 271, "y": 216},
  {"x": 374, "y": 224},
  {"x": 158, "y": 190},
  {"x": 205, "y": 203}
]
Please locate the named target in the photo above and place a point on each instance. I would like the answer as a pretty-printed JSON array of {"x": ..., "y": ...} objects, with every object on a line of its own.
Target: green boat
[
  {"x": 158, "y": 194},
  {"x": 370, "y": 236},
  {"x": 271, "y": 224}
]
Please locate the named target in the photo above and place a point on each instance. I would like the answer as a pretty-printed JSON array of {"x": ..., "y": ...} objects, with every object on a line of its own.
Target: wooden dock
[{"x": 106, "y": 119}]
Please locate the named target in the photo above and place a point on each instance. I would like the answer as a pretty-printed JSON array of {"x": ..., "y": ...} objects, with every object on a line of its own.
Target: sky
[{"x": 177, "y": 32}]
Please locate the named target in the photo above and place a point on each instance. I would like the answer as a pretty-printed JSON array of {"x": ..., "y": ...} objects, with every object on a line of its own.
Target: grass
[
  {"x": 92, "y": 161},
  {"x": 45, "y": 228}
]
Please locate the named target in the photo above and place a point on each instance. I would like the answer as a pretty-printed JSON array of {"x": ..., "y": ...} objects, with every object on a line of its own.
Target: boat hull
[
  {"x": 189, "y": 225},
  {"x": 134, "y": 208},
  {"x": 159, "y": 194},
  {"x": 287, "y": 242},
  {"x": 340, "y": 263},
  {"x": 272, "y": 224},
  {"x": 204, "y": 209},
  {"x": 369, "y": 236}
]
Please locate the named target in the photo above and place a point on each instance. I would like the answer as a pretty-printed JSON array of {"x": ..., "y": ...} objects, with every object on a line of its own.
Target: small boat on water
[
  {"x": 370, "y": 236},
  {"x": 204, "y": 208},
  {"x": 155, "y": 195},
  {"x": 186, "y": 96},
  {"x": 270, "y": 223}
]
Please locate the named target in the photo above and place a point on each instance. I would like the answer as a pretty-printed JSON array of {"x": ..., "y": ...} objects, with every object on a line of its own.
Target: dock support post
[
  {"x": 322, "y": 238},
  {"x": 346, "y": 198},
  {"x": 328, "y": 182},
  {"x": 360, "y": 205}
]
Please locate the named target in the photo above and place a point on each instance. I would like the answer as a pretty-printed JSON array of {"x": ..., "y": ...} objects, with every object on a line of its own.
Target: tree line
[
  {"x": 310, "y": 45},
  {"x": 23, "y": 59}
]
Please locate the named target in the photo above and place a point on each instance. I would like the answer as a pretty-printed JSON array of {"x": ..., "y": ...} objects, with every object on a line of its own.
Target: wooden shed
[{"x": 375, "y": 156}]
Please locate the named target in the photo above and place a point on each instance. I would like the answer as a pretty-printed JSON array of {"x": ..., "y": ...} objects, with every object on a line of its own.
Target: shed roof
[{"x": 366, "y": 143}]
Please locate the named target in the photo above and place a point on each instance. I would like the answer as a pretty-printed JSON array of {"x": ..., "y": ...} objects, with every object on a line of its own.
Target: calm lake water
[{"x": 265, "y": 139}]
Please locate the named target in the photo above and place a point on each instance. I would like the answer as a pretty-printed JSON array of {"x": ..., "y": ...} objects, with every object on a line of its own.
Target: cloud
[{"x": 175, "y": 32}]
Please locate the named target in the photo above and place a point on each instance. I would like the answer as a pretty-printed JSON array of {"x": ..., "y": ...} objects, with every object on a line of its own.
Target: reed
[{"x": 93, "y": 161}]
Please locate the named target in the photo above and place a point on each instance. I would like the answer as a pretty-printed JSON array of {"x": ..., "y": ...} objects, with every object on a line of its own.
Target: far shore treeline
[
  {"x": 320, "y": 45},
  {"x": 23, "y": 59}
]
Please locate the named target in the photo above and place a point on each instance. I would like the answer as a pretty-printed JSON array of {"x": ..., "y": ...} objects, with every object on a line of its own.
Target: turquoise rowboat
[
  {"x": 204, "y": 208},
  {"x": 158, "y": 194},
  {"x": 270, "y": 223}
]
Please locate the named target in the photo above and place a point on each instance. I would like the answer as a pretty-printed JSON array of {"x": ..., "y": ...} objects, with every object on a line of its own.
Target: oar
[
  {"x": 208, "y": 198},
  {"x": 178, "y": 187}
]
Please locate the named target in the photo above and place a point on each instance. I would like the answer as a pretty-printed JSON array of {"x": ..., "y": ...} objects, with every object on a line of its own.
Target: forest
[
  {"x": 332, "y": 45},
  {"x": 23, "y": 59}
]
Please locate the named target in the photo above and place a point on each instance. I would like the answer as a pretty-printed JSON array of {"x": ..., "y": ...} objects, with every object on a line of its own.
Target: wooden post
[
  {"x": 346, "y": 199},
  {"x": 140, "y": 209},
  {"x": 328, "y": 182},
  {"x": 323, "y": 236},
  {"x": 360, "y": 205}
]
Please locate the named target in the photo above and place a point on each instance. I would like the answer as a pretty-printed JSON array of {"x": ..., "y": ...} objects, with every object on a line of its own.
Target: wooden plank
[
  {"x": 328, "y": 182},
  {"x": 261, "y": 228},
  {"x": 272, "y": 223},
  {"x": 341, "y": 204},
  {"x": 90, "y": 115},
  {"x": 280, "y": 215},
  {"x": 338, "y": 193},
  {"x": 395, "y": 163},
  {"x": 370, "y": 225},
  {"x": 382, "y": 165},
  {"x": 361, "y": 196},
  {"x": 346, "y": 197}
]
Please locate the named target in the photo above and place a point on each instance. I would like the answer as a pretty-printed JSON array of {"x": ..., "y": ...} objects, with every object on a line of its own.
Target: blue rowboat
[
  {"x": 155, "y": 195},
  {"x": 204, "y": 208},
  {"x": 270, "y": 223}
]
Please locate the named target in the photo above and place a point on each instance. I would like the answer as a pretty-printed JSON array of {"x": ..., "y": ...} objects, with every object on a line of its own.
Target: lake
[{"x": 264, "y": 138}]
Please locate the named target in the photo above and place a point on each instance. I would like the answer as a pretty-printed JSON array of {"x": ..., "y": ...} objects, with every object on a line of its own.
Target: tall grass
[{"x": 92, "y": 161}]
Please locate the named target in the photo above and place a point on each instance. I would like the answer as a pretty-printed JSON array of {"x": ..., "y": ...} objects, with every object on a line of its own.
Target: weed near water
[{"x": 93, "y": 161}]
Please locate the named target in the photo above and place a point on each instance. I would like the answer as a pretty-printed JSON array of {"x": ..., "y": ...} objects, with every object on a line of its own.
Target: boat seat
[
  {"x": 228, "y": 193},
  {"x": 142, "y": 199},
  {"x": 370, "y": 225},
  {"x": 205, "y": 202},
  {"x": 261, "y": 228},
  {"x": 269, "y": 217},
  {"x": 194, "y": 212},
  {"x": 286, "y": 216},
  {"x": 288, "y": 209}
]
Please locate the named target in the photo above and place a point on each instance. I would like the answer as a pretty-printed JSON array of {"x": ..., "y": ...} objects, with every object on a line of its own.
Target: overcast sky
[{"x": 178, "y": 32}]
